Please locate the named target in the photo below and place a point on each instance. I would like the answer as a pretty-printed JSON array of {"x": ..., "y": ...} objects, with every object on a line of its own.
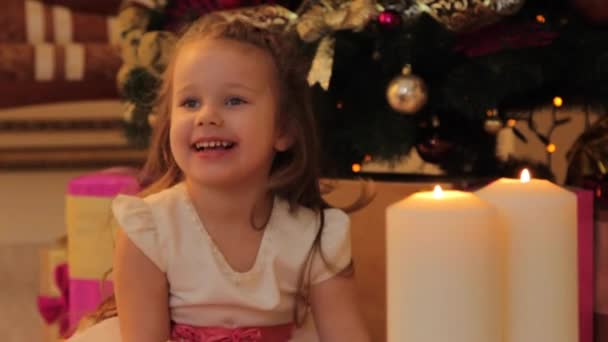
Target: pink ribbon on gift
[
  {"x": 55, "y": 309},
  {"x": 105, "y": 183},
  {"x": 87, "y": 294}
]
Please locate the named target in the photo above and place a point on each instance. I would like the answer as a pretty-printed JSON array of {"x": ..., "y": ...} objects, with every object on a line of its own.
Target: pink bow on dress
[{"x": 182, "y": 333}]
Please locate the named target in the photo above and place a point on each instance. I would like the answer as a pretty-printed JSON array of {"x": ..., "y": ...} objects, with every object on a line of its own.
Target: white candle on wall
[
  {"x": 444, "y": 269},
  {"x": 541, "y": 251}
]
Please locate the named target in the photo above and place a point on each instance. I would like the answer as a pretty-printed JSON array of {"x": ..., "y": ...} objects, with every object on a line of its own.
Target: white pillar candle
[
  {"x": 444, "y": 269},
  {"x": 541, "y": 251}
]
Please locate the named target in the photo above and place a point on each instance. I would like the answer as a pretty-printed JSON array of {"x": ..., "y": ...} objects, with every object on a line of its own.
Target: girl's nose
[{"x": 207, "y": 116}]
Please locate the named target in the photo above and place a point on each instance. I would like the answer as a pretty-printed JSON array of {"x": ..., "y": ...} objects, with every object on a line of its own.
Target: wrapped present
[
  {"x": 601, "y": 274},
  {"x": 36, "y": 22},
  {"x": 53, "y": 292},
  {"x": 91, "y": 229},
  {"x": 585, "y": 202}
]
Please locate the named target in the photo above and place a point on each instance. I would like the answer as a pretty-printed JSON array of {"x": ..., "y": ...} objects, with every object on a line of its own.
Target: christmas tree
[{"x": 440, "y": 77}]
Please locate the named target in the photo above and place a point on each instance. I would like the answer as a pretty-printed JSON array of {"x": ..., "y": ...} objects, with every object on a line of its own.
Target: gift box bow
[{"x": 55, "y": 309}]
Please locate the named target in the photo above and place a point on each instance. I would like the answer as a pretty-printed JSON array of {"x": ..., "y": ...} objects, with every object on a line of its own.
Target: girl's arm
[
  {"x": 336, "y": 312},
  {"x": 141, "y": 294}
]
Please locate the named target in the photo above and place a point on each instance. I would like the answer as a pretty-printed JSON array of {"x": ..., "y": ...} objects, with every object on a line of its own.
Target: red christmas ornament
[
  {"x": 596, "y": 11},
  {"x": 434, "y": 149},
  {"x": 389, "y": 19}
]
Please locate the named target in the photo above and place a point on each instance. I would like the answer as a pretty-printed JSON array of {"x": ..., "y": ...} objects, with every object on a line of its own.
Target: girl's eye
[
  {"x": 190, "y": 103},
  {"x": 235, "y": 101}
]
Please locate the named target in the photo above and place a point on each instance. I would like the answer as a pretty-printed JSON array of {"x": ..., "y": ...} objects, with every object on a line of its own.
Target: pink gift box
[
  {"x": 585, "y": 201},
  {"x": 86, "y": 292},
  {"x": 105, "y": 183},
  {"x": 85, "y": 297}
]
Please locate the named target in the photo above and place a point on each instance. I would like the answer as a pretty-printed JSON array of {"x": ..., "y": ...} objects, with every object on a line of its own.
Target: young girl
[{"x": 233, "y": 241}]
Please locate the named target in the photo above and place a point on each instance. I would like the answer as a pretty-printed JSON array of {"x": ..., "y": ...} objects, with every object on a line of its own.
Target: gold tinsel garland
[{"x": 315, "y": 20}]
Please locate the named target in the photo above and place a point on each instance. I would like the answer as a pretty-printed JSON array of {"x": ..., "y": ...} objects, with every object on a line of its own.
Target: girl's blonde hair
[{"x": 295, "y": 173}]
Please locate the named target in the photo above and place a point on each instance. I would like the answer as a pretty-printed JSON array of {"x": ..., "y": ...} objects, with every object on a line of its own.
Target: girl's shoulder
[
  {"x": 154, "y": 203},
  {"x": 151, "y": 222},
  {"x": 297, "y": 231},
  {"x": 305, "y": 221}
]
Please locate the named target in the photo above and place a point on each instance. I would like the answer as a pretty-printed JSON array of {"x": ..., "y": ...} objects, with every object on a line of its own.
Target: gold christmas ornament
[
  {"x": 407, "y": 93},
  {"x": 493, "y": 125}
]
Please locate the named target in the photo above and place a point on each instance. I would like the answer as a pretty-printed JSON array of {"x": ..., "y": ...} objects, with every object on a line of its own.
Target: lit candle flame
[
  {"x": 525, "y": 176},
  {"x": 438, "y": 192}
]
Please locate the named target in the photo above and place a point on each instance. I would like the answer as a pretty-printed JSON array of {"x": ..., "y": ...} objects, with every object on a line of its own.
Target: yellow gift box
[{"x": 91, "y": 229}]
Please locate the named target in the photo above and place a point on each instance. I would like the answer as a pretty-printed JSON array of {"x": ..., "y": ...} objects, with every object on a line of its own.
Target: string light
[
  {"x": 367, "y": 158},
  {"x": 511, "y": 122},
  {"x": 558, "y": 101},
  {"x": 551, "y": 148},
  {"x": 356, "y": 168},
  {"x": 541, "y": 19},
  {"x": 339, "y": 105}
]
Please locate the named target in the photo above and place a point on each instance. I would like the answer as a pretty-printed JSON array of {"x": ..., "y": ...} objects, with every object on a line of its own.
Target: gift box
[
  {"x": 585, "y": 205},
  {"x": 53, "y": 291},
  {"x": 91, "y": 230},
  {"x": 601, "y": 274}
]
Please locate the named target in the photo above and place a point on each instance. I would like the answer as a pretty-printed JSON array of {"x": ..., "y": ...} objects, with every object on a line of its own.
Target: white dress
[{"x": 203, "y": 288}]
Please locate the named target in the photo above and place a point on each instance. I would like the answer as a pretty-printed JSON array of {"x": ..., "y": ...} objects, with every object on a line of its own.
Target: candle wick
[{"x": 437, "y": 192}]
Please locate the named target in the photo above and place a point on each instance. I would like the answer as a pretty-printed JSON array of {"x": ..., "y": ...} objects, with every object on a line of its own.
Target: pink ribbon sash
[{"x": 187, "y": 333}]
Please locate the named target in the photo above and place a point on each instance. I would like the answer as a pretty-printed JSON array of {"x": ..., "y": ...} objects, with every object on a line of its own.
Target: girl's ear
[
  {"x": 283, "y": 142},
  {"x": 285, "y": 138}
]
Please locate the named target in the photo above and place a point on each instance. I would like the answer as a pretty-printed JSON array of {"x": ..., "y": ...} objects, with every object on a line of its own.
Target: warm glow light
[
  {"x": 551, "y": 148},
  {"x": 558, "y": 101},
  {"x": 367, "y": 158},
  {"x": 437, "y": 192},
  {"x": 541, "y": 18},
  {"x": 511, "y": 122},
  {"x": 525, "y": 176},
  {"x": 356, "y": 167}
]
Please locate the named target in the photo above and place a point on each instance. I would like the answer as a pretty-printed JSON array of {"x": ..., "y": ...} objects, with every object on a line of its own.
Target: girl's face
[{"x": 225, "y": 102}]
